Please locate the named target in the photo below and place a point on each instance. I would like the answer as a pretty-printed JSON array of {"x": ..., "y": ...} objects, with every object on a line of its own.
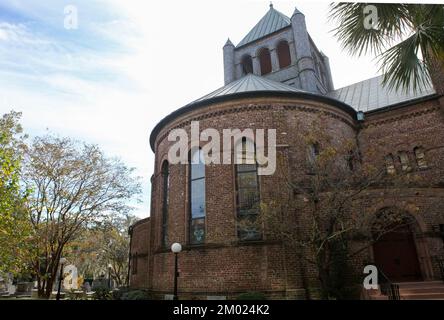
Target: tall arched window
[
  {"x": 313, "y": 153},
  {"x": 247, "y": 65},
  {"x": 283, "y": 51},
  {"x": 420, "y": 157},
  {"x": 165, "y": 201},
  {"x": 197, "y": 197},
  {"x": 265, "y": 61},
  {"x": 247, "y": 194}
]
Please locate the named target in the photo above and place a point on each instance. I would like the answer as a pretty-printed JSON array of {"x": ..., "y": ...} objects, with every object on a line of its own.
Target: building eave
[{"x": 242, "y": 95}]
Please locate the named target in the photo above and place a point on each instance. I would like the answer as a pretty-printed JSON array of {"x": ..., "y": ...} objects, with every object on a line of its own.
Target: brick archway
[{"x": 402, "y": 252}]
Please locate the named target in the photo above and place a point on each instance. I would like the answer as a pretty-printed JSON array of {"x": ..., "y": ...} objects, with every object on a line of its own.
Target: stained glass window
[
  {"x": 248, "y": 197},
  {"x": 165, "y": 202},
  {"x": 197, "y": 198}
]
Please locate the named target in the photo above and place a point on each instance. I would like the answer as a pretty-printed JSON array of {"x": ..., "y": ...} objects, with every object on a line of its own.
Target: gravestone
[
  {"x": 86, "y": 287},
  {"x": 70, "y": 280},
  {"x": 24, "y": 288},
  {"x": 3, "y": 286}
]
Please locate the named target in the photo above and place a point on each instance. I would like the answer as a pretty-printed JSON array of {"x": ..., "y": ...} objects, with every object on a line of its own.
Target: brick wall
[
  {"x": 225, "y": 266},
  {"x": 139, "y": 253}
]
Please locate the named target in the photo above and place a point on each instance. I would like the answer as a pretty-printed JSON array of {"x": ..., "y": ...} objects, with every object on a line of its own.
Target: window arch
[
  {"x": 313, "y": 153},
  {"x": 405, "y": 161},
  {"x": 134, "y": 263},
  {"x": 247, "y": 65},
  {"x": 390, "y": 164},
  {"x": 420, "y": 157},
  {"x": 283, "y": 52},
  {"x": 247, "y": 193},
  {"x": 165, "y": 201},
  {"x": 265, "y": 61},
  {"x": 197, "y": 197}
]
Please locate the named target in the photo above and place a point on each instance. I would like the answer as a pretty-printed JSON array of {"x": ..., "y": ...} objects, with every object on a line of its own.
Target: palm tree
[{"x": 408, "y": 39}]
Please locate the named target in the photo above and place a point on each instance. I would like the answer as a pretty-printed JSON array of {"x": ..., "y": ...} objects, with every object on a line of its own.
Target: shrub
[
  {"x": 119, "y": 292},
  {"x": 136, "y": 295},
  {"x": 251, "y": 296},
  {"x": 102, "y": 293}
]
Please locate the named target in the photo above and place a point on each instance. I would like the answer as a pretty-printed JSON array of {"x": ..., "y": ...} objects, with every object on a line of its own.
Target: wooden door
[{"x": 395, "y": 253}]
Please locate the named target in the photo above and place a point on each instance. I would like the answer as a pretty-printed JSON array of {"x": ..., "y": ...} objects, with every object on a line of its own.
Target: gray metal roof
[
  {"x": 249, "y": 86},
  {"x": 248, "y": 83},
  {"x": 370, "y": 94},
  {"x": 271, "y": 22}
]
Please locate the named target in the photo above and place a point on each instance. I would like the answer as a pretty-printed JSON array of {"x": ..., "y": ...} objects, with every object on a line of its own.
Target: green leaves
[
  {"x": 406, "y": 38},
  {"x": 13, "y": 223}
]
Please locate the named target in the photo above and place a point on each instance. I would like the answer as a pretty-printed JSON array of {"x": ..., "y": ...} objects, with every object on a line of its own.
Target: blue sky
[{"x": 130, "y": 63}]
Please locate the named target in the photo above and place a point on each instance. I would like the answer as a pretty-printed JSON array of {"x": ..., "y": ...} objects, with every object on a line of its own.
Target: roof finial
[{"x": 271, "y": 5}]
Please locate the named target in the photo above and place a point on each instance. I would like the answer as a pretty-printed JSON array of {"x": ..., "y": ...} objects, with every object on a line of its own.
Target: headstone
[
  {"x": 86, "y": 287},
  {"x": 24, "y": 288},
  {"x": 3, "y": 286},
  {"x": 70, "y": 280},
  {"x": 99, "y": 283}
]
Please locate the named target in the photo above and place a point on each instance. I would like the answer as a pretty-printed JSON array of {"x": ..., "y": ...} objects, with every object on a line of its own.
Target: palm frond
[
  {"x": 402, "y": 67},
  {"x": 392, "y": 21}
]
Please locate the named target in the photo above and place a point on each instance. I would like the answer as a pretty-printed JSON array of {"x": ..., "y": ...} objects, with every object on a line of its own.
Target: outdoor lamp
[{"x": 176, "y": 248}]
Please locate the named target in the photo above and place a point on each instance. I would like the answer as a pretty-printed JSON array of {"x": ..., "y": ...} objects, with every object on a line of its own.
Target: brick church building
[{"x": 276, "y": 77}]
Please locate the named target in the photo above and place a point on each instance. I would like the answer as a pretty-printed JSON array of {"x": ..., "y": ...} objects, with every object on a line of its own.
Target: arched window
[
  {"x": 165, "y": 201},
  {"x": 420, "y": 157},
  {"x": 390, "y": 164},
  {"x": 265, "y": 61},
  {"x": 405, "y": 161},
  {"x": 313, "y": 153},
  {"x": 134, "y": 263},
  {"x": 247, "y": 193},
  {"x": 247, "y": 65},
  {"x": 197, "y": 197},
  {"x": 283, "y": 51}
]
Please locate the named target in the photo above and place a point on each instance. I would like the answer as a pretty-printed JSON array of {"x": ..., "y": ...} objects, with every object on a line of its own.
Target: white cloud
[{"x": 165, "y": 54}]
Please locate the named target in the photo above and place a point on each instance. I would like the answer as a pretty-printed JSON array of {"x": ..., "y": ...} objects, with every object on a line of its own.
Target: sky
[{"x": 130, "y": 63}]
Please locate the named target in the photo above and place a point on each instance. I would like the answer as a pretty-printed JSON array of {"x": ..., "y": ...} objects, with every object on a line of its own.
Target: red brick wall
[
  {"x": 224, "y": 266},
  {"x": 139, "y": 253}
]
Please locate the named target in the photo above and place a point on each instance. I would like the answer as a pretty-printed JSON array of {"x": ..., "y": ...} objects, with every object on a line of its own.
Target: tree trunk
[{"x": 436, "y": 70}]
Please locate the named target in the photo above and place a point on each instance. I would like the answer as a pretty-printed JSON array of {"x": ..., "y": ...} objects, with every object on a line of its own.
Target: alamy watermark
[
  {"x": 71, "y": 21},
  {"x": 371, "y": 17},
  {"x": 248, "y": 146},
  {"x": 371, "y": 280}
]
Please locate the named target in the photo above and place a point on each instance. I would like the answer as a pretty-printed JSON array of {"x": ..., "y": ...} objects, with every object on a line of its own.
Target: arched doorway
[{"x": 395, "y": 249}]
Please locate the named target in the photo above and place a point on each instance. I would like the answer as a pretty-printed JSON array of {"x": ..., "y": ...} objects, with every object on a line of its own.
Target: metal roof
[
  {"x": 249, "y": 83},
  {"x": 271, "y": 22},
  {"x": 370, "y": 94},
  {"x": 249, "y": 86}
]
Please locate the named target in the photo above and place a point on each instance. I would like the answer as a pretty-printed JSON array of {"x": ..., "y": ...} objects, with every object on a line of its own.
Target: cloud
[{"x": 84, "y": 84}]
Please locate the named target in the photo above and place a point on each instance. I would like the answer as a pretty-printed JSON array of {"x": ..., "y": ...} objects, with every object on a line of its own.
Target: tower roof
[
  {"x": 271, "y": 22},
  {"x": 248, "y": 83}
]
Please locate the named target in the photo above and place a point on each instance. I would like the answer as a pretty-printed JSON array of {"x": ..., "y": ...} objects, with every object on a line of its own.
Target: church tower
[{"x": 279, "y": 48}]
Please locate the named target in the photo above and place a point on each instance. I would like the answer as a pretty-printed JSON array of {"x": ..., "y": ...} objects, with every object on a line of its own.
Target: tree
[
  {"x": 73, "y": 185},
  {"x": 103, "y": 245},
  {"x": 327, "y": 221},
  {"x": 13, "y": 224},
  {"x": 408, "y": 38}
]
